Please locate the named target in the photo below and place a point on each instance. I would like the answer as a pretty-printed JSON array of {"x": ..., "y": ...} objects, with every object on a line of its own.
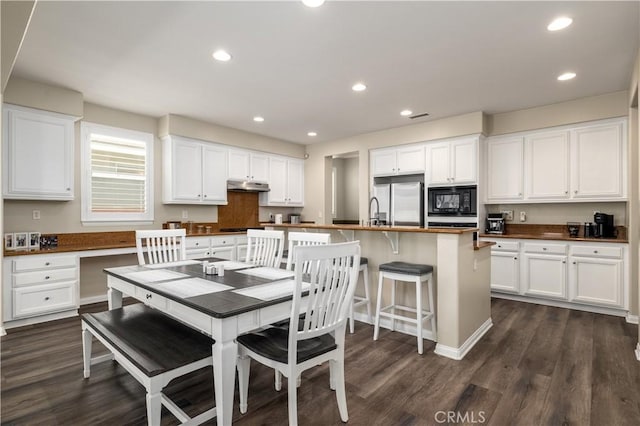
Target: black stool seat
[
  {"x": 406, "y": 268},
  {"x": 364, "y": 261},
  {"x": 152, "y": 341}
]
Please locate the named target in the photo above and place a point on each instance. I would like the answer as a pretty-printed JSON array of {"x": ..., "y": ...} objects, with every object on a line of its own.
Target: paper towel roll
[{"x": 279, "y": 219}]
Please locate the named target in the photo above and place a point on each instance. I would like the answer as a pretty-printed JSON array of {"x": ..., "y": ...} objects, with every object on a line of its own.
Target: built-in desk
[{"x": 462, "y": 271}]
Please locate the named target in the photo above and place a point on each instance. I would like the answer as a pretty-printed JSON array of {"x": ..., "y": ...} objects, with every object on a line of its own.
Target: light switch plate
[
  {"x": 523, "y": 216},
  {"x": 36, "y": 214}
]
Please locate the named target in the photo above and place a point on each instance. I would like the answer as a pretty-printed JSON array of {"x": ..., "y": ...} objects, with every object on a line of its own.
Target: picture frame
[
  {"x": 8, "y": 241},
  {"x": 34, "y": 240},
  {"x": 20, "y": 240}
]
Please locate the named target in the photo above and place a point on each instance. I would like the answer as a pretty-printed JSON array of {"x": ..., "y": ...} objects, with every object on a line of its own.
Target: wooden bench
[{"x": 153, "y": 348}]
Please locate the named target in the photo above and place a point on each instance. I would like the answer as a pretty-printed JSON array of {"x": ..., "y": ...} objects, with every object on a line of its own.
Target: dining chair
[
  {"x": 264, "y": 247},
  {"x": 304, "y": 239},
  {"x": 161, "y": 245},
  {"x": 316, "y": 338}
]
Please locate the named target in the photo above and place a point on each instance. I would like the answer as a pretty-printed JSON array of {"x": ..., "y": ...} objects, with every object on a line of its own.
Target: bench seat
[{"x": 152, "y": 347}]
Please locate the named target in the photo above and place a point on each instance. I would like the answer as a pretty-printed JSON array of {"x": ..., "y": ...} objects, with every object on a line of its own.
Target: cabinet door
[
  {"x": 545, "y": 276},
  {"x": 259, "y": 168},
  {"x": 439, "y": 163},
  {"x": 597, "y": 281},
  {"x": 410, "y": 160},
  {"x": 214, "y": 175},
  {"x": 598, "y": 162},
  {"x": 38, "y": 155},
  {"x": 505, "y": 272},
  {"x": 546, "y": 171},
  {"x": 186, "y": 171},
  {"x": 239, "y": 165},
  {"x": 295, "y": 183},
  {"x": 241, "y": 252},
  {"x": 227, "y": 252},
  {"x": 504, "y": 169},
  {"x": 383, "y": 162},
  {"x": 41, "y": 299},
  {"x": 277, "y": 181},
  {"x": 464, "y": 161}
]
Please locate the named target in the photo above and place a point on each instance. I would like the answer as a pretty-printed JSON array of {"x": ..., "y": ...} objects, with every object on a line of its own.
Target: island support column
[{"x": 464, "y": 294}]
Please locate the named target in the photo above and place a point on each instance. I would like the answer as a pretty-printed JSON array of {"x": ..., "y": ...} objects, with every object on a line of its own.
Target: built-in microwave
[{"x": 453, "y": 201}]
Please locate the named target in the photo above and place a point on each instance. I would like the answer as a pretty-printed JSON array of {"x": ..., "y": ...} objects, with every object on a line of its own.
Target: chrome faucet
[{"x": 375, "y": 220}]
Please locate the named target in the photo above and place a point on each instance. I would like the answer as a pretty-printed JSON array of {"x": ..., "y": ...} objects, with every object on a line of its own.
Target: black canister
[{"x": 589, "y": 230}]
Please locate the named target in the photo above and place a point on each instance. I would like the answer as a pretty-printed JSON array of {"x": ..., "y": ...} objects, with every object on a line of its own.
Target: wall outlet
[
  {"x": 508, "y": 215},
  {"x": 36, "y": 214},
  {"x": 185, "y": 214},
  {"x": 523, "y": 216}
]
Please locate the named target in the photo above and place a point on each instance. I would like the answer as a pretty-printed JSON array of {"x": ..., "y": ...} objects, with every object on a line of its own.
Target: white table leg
[
  {"x": 224, "y": 370},
  {"x": 115, "y": 298}
]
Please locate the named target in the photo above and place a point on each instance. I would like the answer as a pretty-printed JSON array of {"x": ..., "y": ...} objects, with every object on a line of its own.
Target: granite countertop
[
  {"x": 553, "y": 232},
  {"x": 374, "y": 228}
]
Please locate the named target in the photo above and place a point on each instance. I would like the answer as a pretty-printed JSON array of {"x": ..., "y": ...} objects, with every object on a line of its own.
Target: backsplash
[{"x": 561, "y": 213}]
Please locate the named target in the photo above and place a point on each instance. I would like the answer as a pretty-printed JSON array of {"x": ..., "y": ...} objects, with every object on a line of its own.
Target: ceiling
[{"x": 295, "y": 65}]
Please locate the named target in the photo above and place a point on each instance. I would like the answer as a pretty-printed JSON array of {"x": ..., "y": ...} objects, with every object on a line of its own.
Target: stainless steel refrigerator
[{"x": 401, "y": 200}]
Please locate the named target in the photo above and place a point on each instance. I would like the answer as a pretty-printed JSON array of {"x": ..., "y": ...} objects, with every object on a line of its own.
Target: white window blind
[{"x": 116, "y": 185}]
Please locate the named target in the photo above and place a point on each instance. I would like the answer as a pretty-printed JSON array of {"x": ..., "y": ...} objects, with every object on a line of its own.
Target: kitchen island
[{"x": 462, "y": 272}]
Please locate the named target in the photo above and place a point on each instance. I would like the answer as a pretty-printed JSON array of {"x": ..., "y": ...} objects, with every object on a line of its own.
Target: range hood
[{"x": 247, "y": 186}]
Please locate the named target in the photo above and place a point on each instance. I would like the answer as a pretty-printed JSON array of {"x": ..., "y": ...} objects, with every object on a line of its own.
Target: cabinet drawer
[
  {"x": 597, "y": 251},
  {"x": 544, "y": 248},
  {"x": 506, "y": 246},
  {"x": 44, "y": 277},
  {"x": 222, "y": 241},
  {"x": 242, "y": 239},
  {"x": 150, "y": 298},
  {"x": 36, "y": 262},
  {"x": 36, "y": 300},
  {"x": 198, "y": 242}
]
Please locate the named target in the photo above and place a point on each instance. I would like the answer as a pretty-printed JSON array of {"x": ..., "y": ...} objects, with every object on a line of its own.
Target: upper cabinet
[
  {"x": 286, "y": 183},
  {"x": 578, "y": 163},
  {"x": 395, "y": 161},
  {"x": 194, "y": 172},
  {"x": 453, "y": 162},
  {"x": 37, "y": 151},
  {"x": 246, "y": 165}
]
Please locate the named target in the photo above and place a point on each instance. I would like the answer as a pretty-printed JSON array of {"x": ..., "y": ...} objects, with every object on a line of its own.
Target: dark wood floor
[{"x": 538, "y": 365}]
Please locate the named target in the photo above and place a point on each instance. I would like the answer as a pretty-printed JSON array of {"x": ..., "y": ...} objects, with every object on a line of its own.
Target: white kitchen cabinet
[
  {"x": 223, "y": 247},
  {"x": 453, "y": 162},
  {"x": 247, "y": 165},
  {"x": 37, "y": 151},
  {"x": 599, "y": 161},
  {"x": 40, "y": 284},
  {"x": 546, "y": 167},
  {"x": 505, "y": 267},
  {"x": 504, "y": 169},
  {"x": 286, "y": 183},
  {"x": 194, "y": 172},
  {"x": 596, "y": 276},
  {"x": 545, "y": 275},
  {"x": 394, "y": 161}
]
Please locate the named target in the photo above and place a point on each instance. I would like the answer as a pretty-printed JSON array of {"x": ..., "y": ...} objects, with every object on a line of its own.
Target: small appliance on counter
[
  {"x": 495, "y": 223},
  {"x": 604, "y": 225},
  {"x": 294, "y": 218},
  {"x": 590, "y": 230},
  {"x": 573, "y": 228}
]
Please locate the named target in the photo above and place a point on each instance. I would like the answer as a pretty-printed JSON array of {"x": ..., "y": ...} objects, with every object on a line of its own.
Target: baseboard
[
  {"x": 459, "y": 353},
  {"x": 632, "y": 319},
  {"x": 638, "y": 351},
  {"x": 93, "y": 299},
  {"x": 619, "y": 312},
  {"x": 40, "y": 318}
]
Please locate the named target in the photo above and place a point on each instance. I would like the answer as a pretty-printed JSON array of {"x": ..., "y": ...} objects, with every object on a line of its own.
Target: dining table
[{"x": 242, "y": 298}]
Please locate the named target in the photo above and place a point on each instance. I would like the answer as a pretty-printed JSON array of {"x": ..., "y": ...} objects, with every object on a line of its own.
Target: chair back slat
[
  {"x": 333, "y": 278},
  {"x": 161, "y": 245},
  {"x": 264, "y": 248},
  {"x": 304, "y": 239}
]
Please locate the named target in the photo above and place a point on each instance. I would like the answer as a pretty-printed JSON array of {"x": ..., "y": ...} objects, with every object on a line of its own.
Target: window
[{"x": 117, "y": 174}]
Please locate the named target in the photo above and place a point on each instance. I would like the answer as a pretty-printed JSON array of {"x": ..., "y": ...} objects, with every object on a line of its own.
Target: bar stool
[
  {"x": 359, "y": 300},
  {"x": 406, "y": 272}
]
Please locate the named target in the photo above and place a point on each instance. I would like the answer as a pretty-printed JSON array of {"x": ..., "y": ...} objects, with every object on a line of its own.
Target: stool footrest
[{"x": 426, "y": 314}]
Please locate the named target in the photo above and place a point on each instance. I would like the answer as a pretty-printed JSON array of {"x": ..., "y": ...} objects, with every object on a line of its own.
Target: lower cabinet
[
  {"x": 224, "y": 247},
  {"x": 581, "y": 273}
]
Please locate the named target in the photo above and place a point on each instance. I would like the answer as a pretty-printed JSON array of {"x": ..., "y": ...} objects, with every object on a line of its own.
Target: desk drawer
[
  {"x": 44, "y": 277},
  {"x": 506, "y": 246},
  {"x": 36, "y": 300},
  {"x": 36, "y": 262},
  {"x": 222, "y": 241}
]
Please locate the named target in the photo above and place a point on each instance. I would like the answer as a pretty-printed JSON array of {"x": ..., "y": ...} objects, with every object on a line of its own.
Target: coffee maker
[
  {"x": 495, "y": 223},
  {"x": 604, "y": 225}
]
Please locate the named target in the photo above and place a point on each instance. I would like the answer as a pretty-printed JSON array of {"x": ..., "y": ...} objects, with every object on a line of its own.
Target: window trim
[{"x": 86, "y": 216}]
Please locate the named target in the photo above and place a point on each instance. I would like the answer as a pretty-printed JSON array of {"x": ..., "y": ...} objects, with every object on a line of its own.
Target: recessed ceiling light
[
  {"x": 406, "y": 112},
  {"x": 358, "y": 87},
  {"x": 312, "y": 134},
  {"x": 313, "y": 3},
  {"x": 559, "y": 23},
  {"x": 566, "y": 76},
  {"x": 221, "y": 55},
  {"x": 258, "y": 119}
]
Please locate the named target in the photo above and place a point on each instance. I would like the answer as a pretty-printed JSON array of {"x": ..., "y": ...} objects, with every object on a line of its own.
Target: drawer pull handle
[
  {"x": 515, "y": 258},
  {"x": 499, "y": 246},
  {"x": 595, "y": 251},
  {"x": 544, "y": 248},
  {"x": 47, "y": 277},
  {"x": 564, "y": 261},
  {"x": 47, "y": 298},
  {"x": 575, "y": 263},
  {"x": 148, "y": 296},
  {"x": 47, "y": 263}
]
